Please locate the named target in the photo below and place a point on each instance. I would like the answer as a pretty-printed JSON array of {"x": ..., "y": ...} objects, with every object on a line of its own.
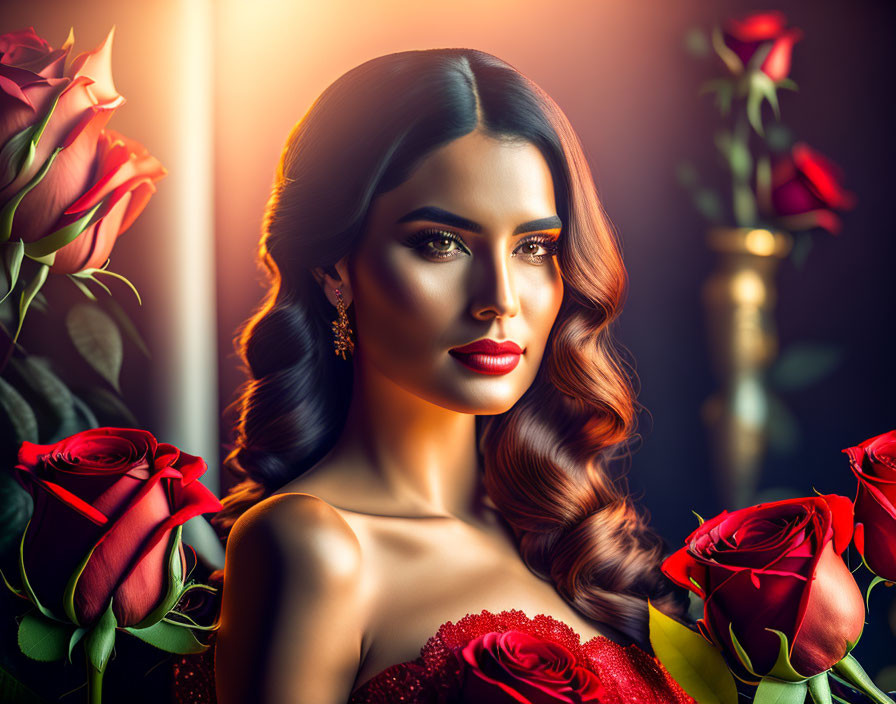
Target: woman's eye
[
  {"x": 437, "y": 244},
  {"x": 538, "y": 250},
  {"x": 442, "y": 245}
]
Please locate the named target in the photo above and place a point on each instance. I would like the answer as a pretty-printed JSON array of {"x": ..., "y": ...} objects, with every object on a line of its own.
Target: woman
[{"x": 433, "y": 394}]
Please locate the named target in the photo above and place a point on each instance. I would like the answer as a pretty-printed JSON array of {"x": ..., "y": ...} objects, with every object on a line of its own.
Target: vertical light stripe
[{"x": 188, "y": 402}]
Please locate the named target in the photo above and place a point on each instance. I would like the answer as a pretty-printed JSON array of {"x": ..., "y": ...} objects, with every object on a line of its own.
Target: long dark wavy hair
[{"x": 546, "y": 461}]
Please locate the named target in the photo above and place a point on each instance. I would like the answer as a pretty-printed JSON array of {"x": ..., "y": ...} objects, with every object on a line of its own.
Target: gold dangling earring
[{"x": 342, "y": 341}]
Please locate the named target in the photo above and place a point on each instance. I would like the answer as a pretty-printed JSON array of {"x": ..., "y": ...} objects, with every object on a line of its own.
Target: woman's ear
[{"x": 332, "y": 277}]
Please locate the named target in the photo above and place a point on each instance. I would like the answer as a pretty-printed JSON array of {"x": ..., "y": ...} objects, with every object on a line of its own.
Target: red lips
[{"x": 488, "y": 356}]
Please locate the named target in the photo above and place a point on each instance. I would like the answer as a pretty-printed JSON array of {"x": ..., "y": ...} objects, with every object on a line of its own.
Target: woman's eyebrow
[{"x": 446, "y": 218}]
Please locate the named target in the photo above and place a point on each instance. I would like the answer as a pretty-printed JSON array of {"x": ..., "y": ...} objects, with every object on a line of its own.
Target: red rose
[
  {"x": 114, "y": 494},
  {"x": 746, "y": 35},
  {"x": 776, "y": 566},
  {"x": 515, "y": 667},
  {"x": 806, "y": 189},
  {"x": 874, "y": 464},
  {"x": 94, "y": 167}
]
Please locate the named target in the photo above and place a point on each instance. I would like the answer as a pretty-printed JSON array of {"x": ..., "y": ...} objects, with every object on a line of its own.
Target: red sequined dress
[{"x": 615, "y": 674}]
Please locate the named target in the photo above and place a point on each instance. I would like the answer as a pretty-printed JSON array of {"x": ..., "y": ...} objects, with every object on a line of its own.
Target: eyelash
[{"x": 424, "y": 236}]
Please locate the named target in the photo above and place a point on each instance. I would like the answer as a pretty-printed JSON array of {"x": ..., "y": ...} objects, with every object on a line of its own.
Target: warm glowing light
[
  {"x": 191, "y": 393},
  {"x": 747, "y": 288},
  {"x": 760, "y": 243}
]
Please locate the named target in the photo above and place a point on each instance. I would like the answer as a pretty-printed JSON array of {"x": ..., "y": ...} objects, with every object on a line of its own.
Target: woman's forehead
[{"x": 490, "y": 182}]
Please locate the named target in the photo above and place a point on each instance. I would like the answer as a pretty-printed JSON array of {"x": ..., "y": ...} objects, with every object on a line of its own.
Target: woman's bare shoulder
[
  {"x": 291, "y": 591},
  {"x": 301, "y": 529}
]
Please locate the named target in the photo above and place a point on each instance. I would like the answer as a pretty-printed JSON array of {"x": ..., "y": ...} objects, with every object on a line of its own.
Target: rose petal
[
  {"x": 117, "y": 552},
  {"x": 834, "y": 617}
]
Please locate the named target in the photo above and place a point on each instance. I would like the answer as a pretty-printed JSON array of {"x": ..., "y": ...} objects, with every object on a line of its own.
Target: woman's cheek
[
  {"x": 405, "y": 306},
  {"x": 541, "y": 294}
]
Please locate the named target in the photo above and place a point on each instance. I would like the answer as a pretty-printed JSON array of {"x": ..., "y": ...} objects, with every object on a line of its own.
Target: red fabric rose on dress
[
  {"x": 746, "y": 35},
  {"x": 515, "y": 667},
  {"x": 776, "y": 566},
  {"x": 111, "y": 496},
  {"x": 874, "y": 464}
]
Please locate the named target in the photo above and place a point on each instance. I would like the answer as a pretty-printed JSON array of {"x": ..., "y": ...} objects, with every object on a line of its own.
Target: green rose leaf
[
  {"x": 168, "y": 637},
  {"x": 43, "y": 639},
  {"x": 22, "y": 418},
  {"x": 695, "y": 664},
  {"x": 98, "y": 340},
  {"x": 37, "y": 374},
  {"x": 803, "y": 364},
  {"x": 12, "y": 690}
]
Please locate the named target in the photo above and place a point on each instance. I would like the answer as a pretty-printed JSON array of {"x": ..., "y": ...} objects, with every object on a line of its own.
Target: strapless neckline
[{"x": 627, "y": 673}]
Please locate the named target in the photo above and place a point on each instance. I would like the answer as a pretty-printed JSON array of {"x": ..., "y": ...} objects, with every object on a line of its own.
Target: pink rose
[{"x": 94, "y": 167}]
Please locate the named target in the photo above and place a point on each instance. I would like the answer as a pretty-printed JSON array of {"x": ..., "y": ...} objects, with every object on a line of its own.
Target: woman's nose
[{"x": 495, "y": 290}]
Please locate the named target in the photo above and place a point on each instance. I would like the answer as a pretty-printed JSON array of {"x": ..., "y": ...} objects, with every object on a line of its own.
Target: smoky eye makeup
[{"x": 439, "y": 244}]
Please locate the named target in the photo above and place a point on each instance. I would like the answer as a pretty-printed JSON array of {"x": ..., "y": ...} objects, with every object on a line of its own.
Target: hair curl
[{"x": 546, "y": 459}]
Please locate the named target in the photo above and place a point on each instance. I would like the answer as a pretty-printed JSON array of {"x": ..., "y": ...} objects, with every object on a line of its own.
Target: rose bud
[
  {"x": 775, "y": 567},
  {"x": 111, "y": 496},
  {"x": 805, "y": 189},
  {"x": 513, "y": 667},
  {"x": 746, "y": 35},
  {"x": 874, "y": 464}
]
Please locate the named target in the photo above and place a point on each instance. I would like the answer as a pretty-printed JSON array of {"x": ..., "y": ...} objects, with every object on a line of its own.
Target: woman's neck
[{"x": 423, "y": 455}]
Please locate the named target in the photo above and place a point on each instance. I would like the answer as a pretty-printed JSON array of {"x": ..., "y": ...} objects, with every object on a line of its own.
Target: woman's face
[{"x": 462, "y": 251}]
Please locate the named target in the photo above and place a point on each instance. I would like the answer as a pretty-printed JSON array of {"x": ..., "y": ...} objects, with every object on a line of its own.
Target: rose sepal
[
  {"x": 89, "y": 274},
  {"x": 774, "y": 691},
  {"x": 26, "y": 585},
  {"x": 28, "y": 295},
  {"x": 22, "y": 146},
  {"x": 175, "y": 588},
  {"x": 874, "y": 582},
  {"x": 56, "y": 240},
  {"x": 854, "y": 674},
  {"x": 9, "y": 210},
  {"x": 99, "y": 639},
  {"x": 820, "y": 688},
  {"x": 728, "y": 57},
  {"x": 692, "y": 661},
  {"x": 98, "y": 644},
  {"x": 15, "y": 254},
  {"x": 761, "y": 88},
  {"x": 68, "y": 596}
]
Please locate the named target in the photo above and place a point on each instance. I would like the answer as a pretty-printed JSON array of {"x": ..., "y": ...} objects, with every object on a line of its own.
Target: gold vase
[{"x": 739, "y": 299}]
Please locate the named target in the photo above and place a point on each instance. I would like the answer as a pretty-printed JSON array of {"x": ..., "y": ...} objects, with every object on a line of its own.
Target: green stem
[
  {"x": 850, "y": 670},
  {"x": 94, "y": 682},
  {"x": 743, "y": 200}
]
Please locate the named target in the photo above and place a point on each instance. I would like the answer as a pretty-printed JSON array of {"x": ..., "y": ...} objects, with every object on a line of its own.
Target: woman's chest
[{"x": 418, "y": 577}]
